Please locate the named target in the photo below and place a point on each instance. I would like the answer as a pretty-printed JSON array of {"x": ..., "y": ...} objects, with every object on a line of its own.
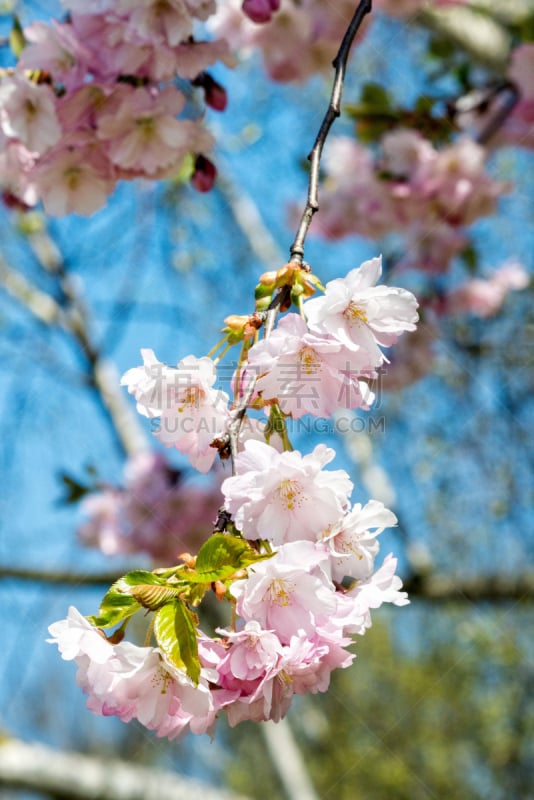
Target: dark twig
[
  {"x": 333, "y": 111},
  {"x": 496, "y": 103},
  {"x": 434, "y": 588}
]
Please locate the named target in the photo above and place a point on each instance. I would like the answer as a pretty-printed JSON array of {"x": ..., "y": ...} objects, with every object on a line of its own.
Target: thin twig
[{"x": 333, "y": 111}]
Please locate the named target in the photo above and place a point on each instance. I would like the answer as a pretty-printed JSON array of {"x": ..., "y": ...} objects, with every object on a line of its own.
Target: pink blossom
[
  {"x": 410, "y": 187},
  {"x": 169, "y": 22},
  {"x": 308, "y": 373},
  {"x": 132, "y": 682},
  {"x": 285, "y": 497},
  {"x": 28, "y": 113},
  {"x": 352, "y": 543},
  {"x": 56, "y": 49},
  {"x": 361, "y": 315},
  {"x": 303, "y": 665},
  {"x": 485, "y": 297},
  {"x": 156, "y": 511},
  {"x": 298, "y": 40},
  {"x": 287, "y": 593},
  {"x": 74, "y": 177},
  {"x": 141, "y": 131},
  {"x": 383, "y": 586},
  {"x": 457, "y": 185},
  {"x": 404, "y": 151},
  {"x": 16, "y": 169},
  {"x": 251, "y": 658},
  {"x": 192, "y": 412}
]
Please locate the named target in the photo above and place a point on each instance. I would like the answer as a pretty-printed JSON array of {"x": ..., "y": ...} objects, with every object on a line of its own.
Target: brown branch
[
  {"x": 435, "y": 588},
  {"x": 73, "y": 776},
  {"x": 333, "y": 111},
  {"x": 489, "y": 588}
]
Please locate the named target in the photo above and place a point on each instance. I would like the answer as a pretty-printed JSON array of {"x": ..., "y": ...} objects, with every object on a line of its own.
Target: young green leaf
[
  {"x": 119, "y": 602},
  {"x": 176, "y": 635},
  {"x": 221, "y": 556}
]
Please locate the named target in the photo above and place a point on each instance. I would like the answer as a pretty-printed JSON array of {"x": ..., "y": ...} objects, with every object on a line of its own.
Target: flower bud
[
  {"x": 262, "y": 304},
  {"x": 285, "y": 274},
  {"x": 263, "y": 291},
  {"x": 204, "y": 175},
  {"x": 260, "y": 11},
  {"x": 236, "y": 322},
  {"x": 214, "y": 94},
  {"x": 268, "y": 278}
]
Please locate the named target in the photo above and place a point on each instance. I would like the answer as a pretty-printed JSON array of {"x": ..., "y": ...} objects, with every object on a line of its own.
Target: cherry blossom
[
  {"x": 157, "y": 512},
  {"x": 306, "y": 373},
  {"x": 352, "y": 545},
  {"x": 409, "y": 186},
  {"x": 142, "y": 133},
  {"x": 485, "y": 297},
  {"x": 192, "y": 413},
  {"x": 288, "y": 593},
  {"x": 285, "y": 497},
  {"x": 361, "y": 315},
  {"x": 28, "y": 113},
  {"x": 132, "y": 682},
  {"x": 103, "y": 83}
]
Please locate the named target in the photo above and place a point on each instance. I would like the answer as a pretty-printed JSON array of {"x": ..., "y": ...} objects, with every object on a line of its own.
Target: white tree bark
[{"x": 73, "y": 776}]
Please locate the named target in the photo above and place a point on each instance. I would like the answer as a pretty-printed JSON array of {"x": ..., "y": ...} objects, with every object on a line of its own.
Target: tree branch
[
  {"x": 488, "y": 588},
  {"x": 492, "y": 588},
  {"x": 73, "y": 776},
  {"x": 333, "y": 111}
]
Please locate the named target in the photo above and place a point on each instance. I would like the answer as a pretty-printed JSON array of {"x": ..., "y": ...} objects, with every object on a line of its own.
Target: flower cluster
[
  {"x": 156, "y": 511},
  {"x": 95, "y": 99},
  {"x": 484, "y": 297},
  {"x": 427, "y": 194},
  {"x": 297, "y": 38},
  {"x": 290, "y": 552}
]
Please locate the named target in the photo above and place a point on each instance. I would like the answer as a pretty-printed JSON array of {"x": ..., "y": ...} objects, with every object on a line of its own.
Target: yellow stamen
[
  {"x": 309, "y": 361},
  {"x": 353, "y": 313},
  {"x": 280, "y": 591},
  {"x": 290, "y": 493}
]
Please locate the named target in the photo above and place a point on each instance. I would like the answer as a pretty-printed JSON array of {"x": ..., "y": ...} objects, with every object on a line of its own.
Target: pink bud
[
  {"x": 260, "y": 10},
  {"x": 215, "y": 94},
  {"x": 204, "y": 175}
]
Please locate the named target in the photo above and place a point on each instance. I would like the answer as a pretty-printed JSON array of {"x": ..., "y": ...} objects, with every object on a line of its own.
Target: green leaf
[
  {"x": 176, "y": 635},
  {"x": 119, "y": 603},
  {"x": 376, "y": 96},
  {"x": 137, "y": 577},
  {"x": 17, "y": 42},
  {"x": 221, "y": 556},
  {"x": 153, "y": 597},
  {"x": 115, "y": 607}
]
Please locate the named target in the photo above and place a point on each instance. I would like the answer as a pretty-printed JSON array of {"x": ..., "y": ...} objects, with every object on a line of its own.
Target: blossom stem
[
  {"x": 333, "y": 111},
  {"x": 150, "y": 630},
  {"x": 277, "y": 424},
  {"x": 223, "y": 353},
  {"x": 216, "y": 347}
]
